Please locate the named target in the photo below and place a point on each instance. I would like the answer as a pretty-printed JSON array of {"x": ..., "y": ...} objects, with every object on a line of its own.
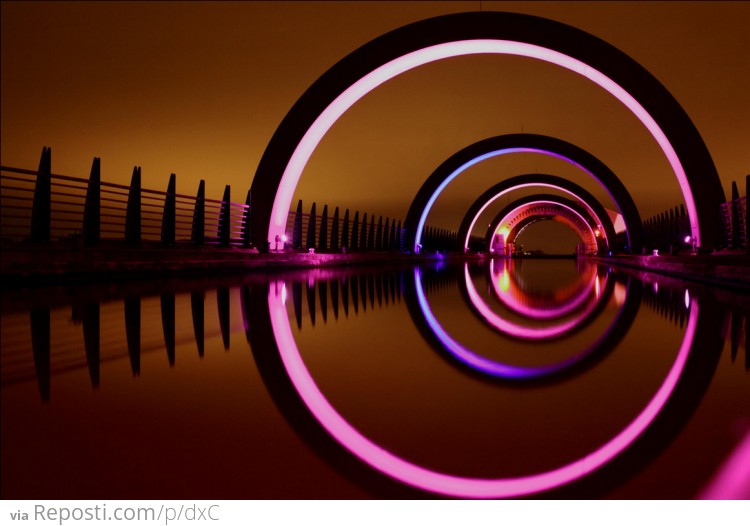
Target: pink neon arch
[
  {"x": 466, "y": 487},
  {"x": 326, "y": 119},
  {"x": 561, "y": 205}
]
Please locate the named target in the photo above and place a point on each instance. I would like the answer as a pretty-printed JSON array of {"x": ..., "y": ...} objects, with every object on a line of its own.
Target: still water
[{"x": 538, "y": 378}]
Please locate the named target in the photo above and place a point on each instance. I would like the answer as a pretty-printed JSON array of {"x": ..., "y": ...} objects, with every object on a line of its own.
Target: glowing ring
[
  {"x": 466, "y": 487},
  {"x": 499, "y": 323},
  {"x": 561, "y": 205},
  {"x": 397, "y": 66}
]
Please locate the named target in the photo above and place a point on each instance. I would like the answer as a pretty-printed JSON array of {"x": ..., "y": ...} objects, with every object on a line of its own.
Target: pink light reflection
[
  {"x": 505, "y": 294},
  {"x": 513, "y": 329},
  {"x": 466, "y": 487},
  {"x": 375, "y": 78}
]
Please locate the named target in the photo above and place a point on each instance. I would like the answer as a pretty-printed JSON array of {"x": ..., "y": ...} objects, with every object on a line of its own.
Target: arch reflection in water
[
  {"x": 141, "y": 308},
  {"x": 576, "y": 361},
  {"x": 684, "y": 382}
]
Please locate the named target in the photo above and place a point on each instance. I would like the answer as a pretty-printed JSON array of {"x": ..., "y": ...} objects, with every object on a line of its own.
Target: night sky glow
[{"x": 199, "y": 88}]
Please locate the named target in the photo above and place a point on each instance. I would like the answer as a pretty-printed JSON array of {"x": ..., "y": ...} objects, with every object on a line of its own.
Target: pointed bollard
[
  {"x": 345, "y": 295},
  {"x": 133, "y": 212},
  {"x": 335, "y": 297},
  {"x": 297, "y": 233},
  {"x": 225, "y": 218},
  {"x": 92, "y": 207},
  {"x": 198, "y": 311},
  {"x": 371, "y": 234},
  {"x": 133, "y": 332},
  {"x": 311, "y": 234},
  {"x": 91, "y": 340},
  {"x": 247, "y": 239},
  {"x": 363, "y": 291},
  {"x": 40, "y": 345},
  {"x": 736, "y": 241},
  {"x": 222, "y": 301},
  {"x": 335, "y": 230},
  {"x": 169, "y": 216},
  {"x": 323, "y": 291},
  {"x": 355, "y": 232},
  {"x": 168, "y": 325},
  {"x": 198, "y": 234},
  {"x": 41, "y": 211},
  {"x": 345, "y": 231},
  {"x": 297, "y": 302},
  {"x": 354, "y": 288},
  {"x": 311, "y": 301},
  {"x": 323, "y": 237},
  {"x": 387, "y": 234},
  {"x": 379, "y": 235},
  {"x": 363, "y": 234}
]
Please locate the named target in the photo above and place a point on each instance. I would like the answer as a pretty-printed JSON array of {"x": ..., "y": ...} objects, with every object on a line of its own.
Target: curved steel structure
[
  {"x": 511, "y": 143},
  {"x": 526, "y": 210},
  {"x": 470, "y": 33}
]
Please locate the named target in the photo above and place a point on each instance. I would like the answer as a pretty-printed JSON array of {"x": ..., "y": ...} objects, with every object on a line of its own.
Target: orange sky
[{"x": 199, "y": 88}]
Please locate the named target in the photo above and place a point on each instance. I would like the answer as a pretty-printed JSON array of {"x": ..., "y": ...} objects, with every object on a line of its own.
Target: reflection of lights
[
  {"x": 656, "y": 288},
  {"x": 597, "y": 232},
  {"x": 505, "y": 280},
  {"x": 426, "y": 479},
  {"x": 283, "y": 293},
  {"x": 357, "y": 90},
  {"x": 530, "y": 311},
  {"x": 597, "y": 287},
  {"x": 687, "y": 299},
  {"x": 619, "y": 293}
]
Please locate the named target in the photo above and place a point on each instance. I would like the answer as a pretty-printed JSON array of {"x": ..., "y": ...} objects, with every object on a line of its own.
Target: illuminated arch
[
  {"x": 595, "y": 218},
  {"x": 526, "y": 211},
  {"x": 513, "y": 143},
  {"x": 460, "y": 34}
]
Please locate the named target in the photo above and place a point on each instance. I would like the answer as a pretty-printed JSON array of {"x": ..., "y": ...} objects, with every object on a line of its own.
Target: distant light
[
  {"x": 597, "y": 233},
  {"x": 687, "y": 299},
  {"x": 688, "y": 239},
  {"x": 284, "y": 238},
  {"x": 283, "y": 293}
]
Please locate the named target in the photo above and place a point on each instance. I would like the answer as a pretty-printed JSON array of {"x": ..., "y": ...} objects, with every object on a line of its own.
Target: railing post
[
  {"x": 371, "y": 235},
  {"x": 335, "y": 230},
  {"x": 379, "y": 235},
  {"x": 198, "y": 234},
  {"x": 363, "y": 233},
  {"x": 345, "y": 231},
  {"x": 323, "y": 237},
  {"x": 225, "y": 224},
  {"x": 355, "y": 231},
  {"x": 169, "y": 218},
  {"x": 92, "y": 208},
  {"x": 297, "y": 233},
  {"x": 246, "y": 237},
  {"x": 41, "y": 212},
  {"x": 747, "y": 231},
  {"x": 133, "y": 212},
  {"x": 311, "y": 228},
  {"x": 736, "y": 241},
  {"x": 399, "y": 237}
]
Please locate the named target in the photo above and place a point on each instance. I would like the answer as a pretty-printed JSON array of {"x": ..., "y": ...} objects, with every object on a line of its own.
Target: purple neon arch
[
  {"x": 540, "y": 314},
  {"x": 542, "y": 201},
  {"x": 466, "y": 487},
  {"x": 326, "y": 119}
]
